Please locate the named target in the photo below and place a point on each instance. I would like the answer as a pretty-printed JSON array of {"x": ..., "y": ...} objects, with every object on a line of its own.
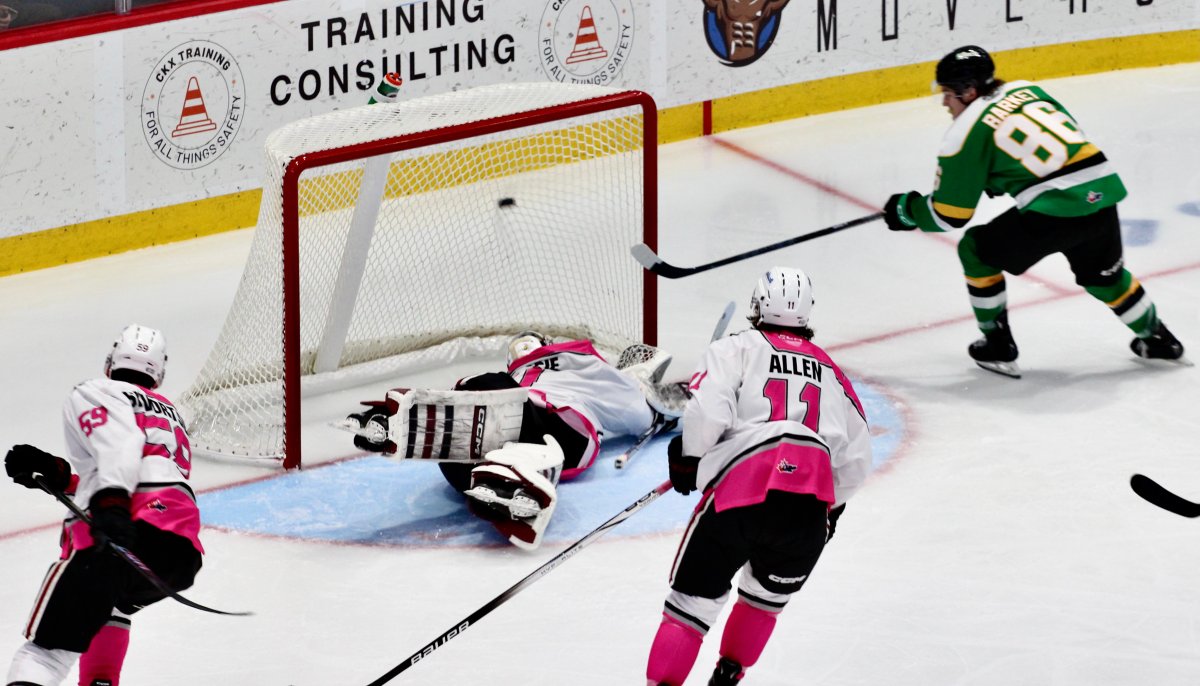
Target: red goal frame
[{"x": 302, "y": 163}]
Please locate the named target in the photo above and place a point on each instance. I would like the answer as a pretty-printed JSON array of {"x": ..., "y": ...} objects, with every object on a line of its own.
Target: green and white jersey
[{"x": 1021, "y": 142}]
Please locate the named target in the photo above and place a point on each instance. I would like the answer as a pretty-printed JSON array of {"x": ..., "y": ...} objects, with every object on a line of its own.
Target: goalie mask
[
  {"x": 783, "y": 297},
  {"x": 140, "y": 349},
  {"x": 524, "y": 343}
]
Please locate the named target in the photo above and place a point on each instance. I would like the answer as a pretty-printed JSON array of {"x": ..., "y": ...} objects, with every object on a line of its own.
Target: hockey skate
[
  {"x": 513, "y": 505},
  {"x": 996, "y": 351},
  {"x": 1160, "y": 345},
  {"x": 727, "y": 673}
]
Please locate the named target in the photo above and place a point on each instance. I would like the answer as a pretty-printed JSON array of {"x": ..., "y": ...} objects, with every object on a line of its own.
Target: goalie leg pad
[{"x": 514, "y": 489}]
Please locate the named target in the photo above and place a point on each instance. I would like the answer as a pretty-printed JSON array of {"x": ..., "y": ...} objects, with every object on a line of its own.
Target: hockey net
[{"x": 392, "y": 237}]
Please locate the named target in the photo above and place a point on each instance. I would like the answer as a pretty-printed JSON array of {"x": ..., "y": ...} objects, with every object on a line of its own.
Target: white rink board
[{"x": 96, "y": 128}]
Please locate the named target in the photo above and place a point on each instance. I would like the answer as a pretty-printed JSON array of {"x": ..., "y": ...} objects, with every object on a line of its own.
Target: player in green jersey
[{"x": 1015, "y": 139}]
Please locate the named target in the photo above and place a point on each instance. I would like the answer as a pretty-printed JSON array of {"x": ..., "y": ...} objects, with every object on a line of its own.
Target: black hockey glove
[
  {"x": 834, "y": 514},
  {"x": 110, "y": 518},
  {"x": 681, "y": 467},
  {"x": 896, "y": 212},
  {"x": 24, "y": 461}
]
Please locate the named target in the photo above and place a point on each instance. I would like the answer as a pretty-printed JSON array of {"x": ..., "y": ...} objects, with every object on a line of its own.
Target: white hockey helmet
[
  {"x": 524, "y": 343},
  {"x": 782, "y": 297},
  {"x": 140, "y": 349}
]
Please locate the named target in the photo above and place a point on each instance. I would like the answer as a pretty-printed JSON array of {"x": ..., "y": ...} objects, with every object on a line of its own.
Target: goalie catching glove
[
  {"x": 648, "y": 365},
  {"x": 514, "y": 489}
]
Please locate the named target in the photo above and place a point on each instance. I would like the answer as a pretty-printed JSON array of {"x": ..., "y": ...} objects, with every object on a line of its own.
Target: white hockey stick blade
[
  {"x": 645, "y": 256},
  {"x": 723, "y": 322}
]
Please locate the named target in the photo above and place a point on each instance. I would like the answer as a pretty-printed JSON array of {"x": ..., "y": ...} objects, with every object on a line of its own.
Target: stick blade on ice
[{"x": 1149, "y": 489}]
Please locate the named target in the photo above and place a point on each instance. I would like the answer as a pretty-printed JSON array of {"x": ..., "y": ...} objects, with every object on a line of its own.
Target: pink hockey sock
[
  {"x": 101, "y": 664},
  {"x": 673, "y": 653},
  {"x": 746, "y": 633}
]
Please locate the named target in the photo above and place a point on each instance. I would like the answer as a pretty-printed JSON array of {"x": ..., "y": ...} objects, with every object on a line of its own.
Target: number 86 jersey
[{"x": 771, "y": 411}]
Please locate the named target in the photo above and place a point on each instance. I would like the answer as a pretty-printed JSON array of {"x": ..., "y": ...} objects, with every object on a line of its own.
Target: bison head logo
[{"x": 740, "y": 31}]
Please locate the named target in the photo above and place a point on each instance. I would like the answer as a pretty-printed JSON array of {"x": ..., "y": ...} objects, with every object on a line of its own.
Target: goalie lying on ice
[{"x": 504, "y": 439}]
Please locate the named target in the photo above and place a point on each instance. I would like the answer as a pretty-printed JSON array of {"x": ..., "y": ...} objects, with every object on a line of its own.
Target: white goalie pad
[
  {"x": 453, "y": 426},
  {"x": 514, "y": 489}
]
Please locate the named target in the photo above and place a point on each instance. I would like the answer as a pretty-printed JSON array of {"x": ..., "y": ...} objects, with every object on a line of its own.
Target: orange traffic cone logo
[
  {"x": 194, "y": 117},
  {"x": 587, "y": 42}
]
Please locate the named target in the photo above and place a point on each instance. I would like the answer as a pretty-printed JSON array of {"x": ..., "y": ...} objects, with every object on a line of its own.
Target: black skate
[
  {"x": 727, "y": 673},
  {"x": 1160, "y": 345},
  {"x": 996, "y": 351}
]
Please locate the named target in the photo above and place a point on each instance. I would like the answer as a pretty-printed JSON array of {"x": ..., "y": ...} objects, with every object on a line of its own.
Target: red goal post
[{"x": 396, "y": 236}]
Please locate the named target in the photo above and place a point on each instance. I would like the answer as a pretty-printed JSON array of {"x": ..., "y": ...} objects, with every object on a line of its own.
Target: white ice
[{"x": 1000, "y": 545}]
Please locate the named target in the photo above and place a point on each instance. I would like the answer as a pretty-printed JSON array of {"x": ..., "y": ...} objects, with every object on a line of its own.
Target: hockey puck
[{"x": 506, "y": 202}]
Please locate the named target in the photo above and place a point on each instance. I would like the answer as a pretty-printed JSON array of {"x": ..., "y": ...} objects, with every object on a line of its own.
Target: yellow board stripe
[{"x": 207, "y": 216}]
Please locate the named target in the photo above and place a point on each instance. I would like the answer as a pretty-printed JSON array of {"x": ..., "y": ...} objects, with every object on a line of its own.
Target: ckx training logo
[
  {"x": 193, "y": 104},
  {"x": 740, "y": 32},
  {"x": 586, "y": 41}
]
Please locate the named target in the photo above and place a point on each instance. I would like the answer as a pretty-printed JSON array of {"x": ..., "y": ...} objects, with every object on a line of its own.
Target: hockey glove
[
  {"x": 374, "y": 420},
  {"x": 681, "y": 467},
  {"x": 896, "y": 213},
  {"x": 111, "y": 522},
  {"x": 24, "y": 461},
  {"x": 831, "y": 524}
]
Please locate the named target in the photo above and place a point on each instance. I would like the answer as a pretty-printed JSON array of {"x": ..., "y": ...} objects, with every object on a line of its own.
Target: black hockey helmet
[{"x": 966, "y": 67}]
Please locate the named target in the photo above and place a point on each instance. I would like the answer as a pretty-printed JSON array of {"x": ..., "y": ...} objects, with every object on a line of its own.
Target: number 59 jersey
[
  {"x": 771, "y": 411},
  {"x": 120, "y": 435}
]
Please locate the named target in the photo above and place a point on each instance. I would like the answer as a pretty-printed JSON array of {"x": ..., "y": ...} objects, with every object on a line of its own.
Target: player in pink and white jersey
[
  {"x": 776, "y": 439},
  {"x": 128, "y": 460},
  {"x": 574, "y": 399}
]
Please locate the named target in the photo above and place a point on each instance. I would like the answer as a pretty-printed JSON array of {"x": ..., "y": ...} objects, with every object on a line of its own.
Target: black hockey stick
[
  {"x": 669, "y": 425},
  {"x": 1150, "y": 490},
  {"x": 651, "y": 261},
  {"x": 521, "y": 585},
  {"x": 133, "y": 560}
]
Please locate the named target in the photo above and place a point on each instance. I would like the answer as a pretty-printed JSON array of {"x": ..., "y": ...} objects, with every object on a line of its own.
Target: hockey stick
[
  {"x": 651, "y": 261},
  {"x": 133, "y": 560},
  {"x": 668, "y": 426},
  {"x": 1150, "y": 490},
  {"x": 655, "y": 429},
  {"x": 522, "y": 584}
]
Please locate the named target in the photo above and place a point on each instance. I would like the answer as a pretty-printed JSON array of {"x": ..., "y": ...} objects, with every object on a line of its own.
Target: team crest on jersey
[
  {"x": 741, "y": 32},
  {"x": 586, "y": 41},
  {"x": 785, "y": 467},
  {"x": 193, "y": 104}
]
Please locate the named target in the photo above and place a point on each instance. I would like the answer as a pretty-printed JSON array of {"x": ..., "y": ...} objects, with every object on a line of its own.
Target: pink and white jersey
[
  {"x": 120, "y": 435},
  {"x": 771, "y": 411},
  {"x": 572, "y": 380}
]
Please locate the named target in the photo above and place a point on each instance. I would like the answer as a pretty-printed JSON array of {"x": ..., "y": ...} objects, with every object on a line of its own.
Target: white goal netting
[{"x": 409, "y": 234}]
